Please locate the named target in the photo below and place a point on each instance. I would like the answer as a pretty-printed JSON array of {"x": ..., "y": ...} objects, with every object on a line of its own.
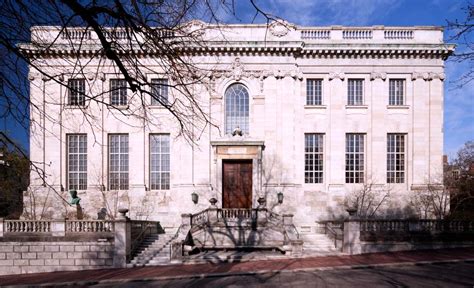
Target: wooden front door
[{"x": 237, "y": 184}]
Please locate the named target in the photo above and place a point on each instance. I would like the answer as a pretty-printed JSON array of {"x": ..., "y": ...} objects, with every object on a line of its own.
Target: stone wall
[{"x": 49, "y": 256}]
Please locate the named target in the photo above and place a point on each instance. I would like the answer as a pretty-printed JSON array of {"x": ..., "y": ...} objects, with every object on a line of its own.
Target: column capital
[
  {"x": 378, "y": 75},
  {"x": 338, "y": 75}
]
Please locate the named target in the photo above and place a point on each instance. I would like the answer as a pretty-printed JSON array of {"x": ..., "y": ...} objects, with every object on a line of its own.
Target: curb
[{"x": 248, "y": 273}]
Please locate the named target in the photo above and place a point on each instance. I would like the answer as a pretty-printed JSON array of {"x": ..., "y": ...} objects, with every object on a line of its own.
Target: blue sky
[{"x": 459, "y": 102}]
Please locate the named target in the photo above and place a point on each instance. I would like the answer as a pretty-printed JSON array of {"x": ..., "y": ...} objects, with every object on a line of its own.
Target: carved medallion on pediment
[{"x": 280, "y": 28}]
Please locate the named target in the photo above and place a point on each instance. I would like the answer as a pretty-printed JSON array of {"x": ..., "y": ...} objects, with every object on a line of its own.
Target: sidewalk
[{"x": 252, "y": 267}]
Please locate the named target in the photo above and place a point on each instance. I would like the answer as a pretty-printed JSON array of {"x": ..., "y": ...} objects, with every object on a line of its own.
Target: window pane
[
  {"x": 314, "y": 92},
  {"x": 314, "y": 158},
  {"x": 160, "y": 161},
  {"x": 118, "y": 162},
  {"x": 118, "y": 92},
  {"x": 236, "y": 108},
  {"x": 355, "y": 165},
  {"x": 77, "y": 92},
  {"x": 77, "y": 161},
  {"x": 396, "y": 92},
  {"x": 395, "y": 158},
  {"x": 159, "y": 91},
  {"x": 355, "y": 92}
]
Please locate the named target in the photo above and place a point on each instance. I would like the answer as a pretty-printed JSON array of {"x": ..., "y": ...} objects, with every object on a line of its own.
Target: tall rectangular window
[
  {"x": 395, "y": 158},
  {"x": 313, "y": 158},
  {"x": 396, "y": 92},
  {"x": 159, "y": 91},
  {"x": 314, "y": 92},
  {"x": 118, "y": 92},
  {"x": 76, "y": 92},
  {"x": 355, "y": 165},
  {"x": 355, "y": 92},
  {"x": 76, "y": 161},
  {"x": 159, "y": 161},
  {"x": 118, "y": 161}
]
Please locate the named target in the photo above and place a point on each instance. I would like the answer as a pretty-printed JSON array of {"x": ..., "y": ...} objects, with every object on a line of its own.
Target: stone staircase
[
  {"x": 318, "y": 244},
  {"x": 153, "y": 251}
]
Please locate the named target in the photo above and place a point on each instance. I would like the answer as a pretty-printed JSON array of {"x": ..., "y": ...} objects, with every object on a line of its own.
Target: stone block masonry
[{"x": 50, "y": 256}]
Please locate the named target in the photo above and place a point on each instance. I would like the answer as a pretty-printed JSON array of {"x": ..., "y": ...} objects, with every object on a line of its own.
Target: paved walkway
[{"x": 252, "y": 267}]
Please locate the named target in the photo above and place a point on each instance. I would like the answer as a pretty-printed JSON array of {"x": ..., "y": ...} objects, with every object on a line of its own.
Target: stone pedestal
[
  {"x": 122, "y": 240},
  {"x": 351, "y": 243},
  {"x": 58, "y": 228}
]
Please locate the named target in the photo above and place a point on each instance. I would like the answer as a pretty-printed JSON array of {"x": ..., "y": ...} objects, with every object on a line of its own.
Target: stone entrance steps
[
  {"x": 318, "y": 244},
  {"x": 154, "y": 250}
]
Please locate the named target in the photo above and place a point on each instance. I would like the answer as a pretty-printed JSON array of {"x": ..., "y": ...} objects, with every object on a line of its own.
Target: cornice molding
[{"x": 296, "y": 49}]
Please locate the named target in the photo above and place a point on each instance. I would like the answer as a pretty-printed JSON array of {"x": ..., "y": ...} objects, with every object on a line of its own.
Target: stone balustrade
[{"x": 252, "y": 32}]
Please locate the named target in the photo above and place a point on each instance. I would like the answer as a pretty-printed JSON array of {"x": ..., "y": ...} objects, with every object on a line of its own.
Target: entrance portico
[{"x": 238, "y": 172}]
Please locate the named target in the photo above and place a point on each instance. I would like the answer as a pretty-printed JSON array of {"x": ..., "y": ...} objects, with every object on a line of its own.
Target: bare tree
[
  {"x": 132, "y": 39},
  {"x": 369, "y": 198},
  {"x": 462, "y": 35}
]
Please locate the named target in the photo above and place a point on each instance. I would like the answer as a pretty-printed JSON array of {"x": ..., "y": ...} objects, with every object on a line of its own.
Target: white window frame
[
  {"x": 160, "y": 162},
  {"x": 231, "y": 120},
  {"x": 76, "y": 92},
  {"x": 353, "y": 98},
  {"x": 396, "y": 97},
  {"x": 314, "y": 158},
  {"x": 159, "y": 90},
  {"x": 355, "y": 158},
  {"x": 396, "y": 158},
  {"x": 118, "y": 92},
  {"x": 76, "y": 161},
  {"x": 313, "y": 86},
  {"x": 121, "y": 167}
]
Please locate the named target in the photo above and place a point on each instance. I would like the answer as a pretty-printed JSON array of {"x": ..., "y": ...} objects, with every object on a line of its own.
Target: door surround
[{"x": 236, "y": 150}]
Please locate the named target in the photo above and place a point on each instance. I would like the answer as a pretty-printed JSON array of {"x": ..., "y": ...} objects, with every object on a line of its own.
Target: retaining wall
[{"x": 46, "y": 256}]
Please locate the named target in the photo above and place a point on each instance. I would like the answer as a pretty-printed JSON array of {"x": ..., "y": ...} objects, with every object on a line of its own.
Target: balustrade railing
[
  {"x": 200, "y": 218},
  {"x": 88, "y": 226},
  {"x": 236, "y": 214},
  {"x": 398, "y": 34},
  {"x": 316, "y": 34},
  {"x": 423, "y": 225},
  {"x": 27, "y": 226},
  {"x": 357, "y": 34}
]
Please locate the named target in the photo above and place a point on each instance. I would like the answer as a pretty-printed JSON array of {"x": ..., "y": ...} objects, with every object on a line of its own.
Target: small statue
[
  {"x": 101, "y": 214},
  {"x": 74, "y": 199}
]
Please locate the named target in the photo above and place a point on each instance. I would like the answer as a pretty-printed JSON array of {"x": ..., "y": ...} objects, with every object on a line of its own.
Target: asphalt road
[{"x": 432, "y": 275}]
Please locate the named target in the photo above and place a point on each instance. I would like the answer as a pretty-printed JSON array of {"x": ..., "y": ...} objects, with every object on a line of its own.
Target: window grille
[
  {"x": 355, "y": 92},
  {"x": 396, "y": 92},
  {"x": 159, "y": 161},
  {"x": 313, "y": 167},
  {"x": 395, "y": 158},
  {"x": 355, "y": 166},
  {"x": 76, "y": 92},
  {"x": 77, "y": 161},
  {"x": 118, "y": 92},
  {"x": 159, "y": 91},
  {"x": 118, "y": 161},
  {"x": 236, "y": 108},
  {"x": 314, "y": 92}
]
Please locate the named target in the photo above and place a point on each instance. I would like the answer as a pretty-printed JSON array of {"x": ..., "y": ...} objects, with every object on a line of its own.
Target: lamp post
[{"x": 280, "y": 197}]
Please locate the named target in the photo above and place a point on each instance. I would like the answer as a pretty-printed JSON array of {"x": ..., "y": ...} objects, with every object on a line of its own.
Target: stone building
[{"x": 307, "y": 113}]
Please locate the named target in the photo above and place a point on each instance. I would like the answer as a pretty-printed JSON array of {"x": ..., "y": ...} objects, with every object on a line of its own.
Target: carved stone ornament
[
  {"x": 337, "y": 75},
  {"x": 378, "y": 75},
  {"x": 280, "y": 28},
  {"x": 439, "y": 76},
  {"x": 420, "y": 75},
  {"x": 195, "y": 27}
]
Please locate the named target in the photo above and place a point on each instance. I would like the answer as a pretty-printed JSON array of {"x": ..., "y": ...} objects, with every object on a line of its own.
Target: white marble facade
[{"x": 274, "y": 64}]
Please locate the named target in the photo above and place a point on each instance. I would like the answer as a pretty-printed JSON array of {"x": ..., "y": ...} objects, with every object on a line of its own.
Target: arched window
[{"x": 236, "y": 108}]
